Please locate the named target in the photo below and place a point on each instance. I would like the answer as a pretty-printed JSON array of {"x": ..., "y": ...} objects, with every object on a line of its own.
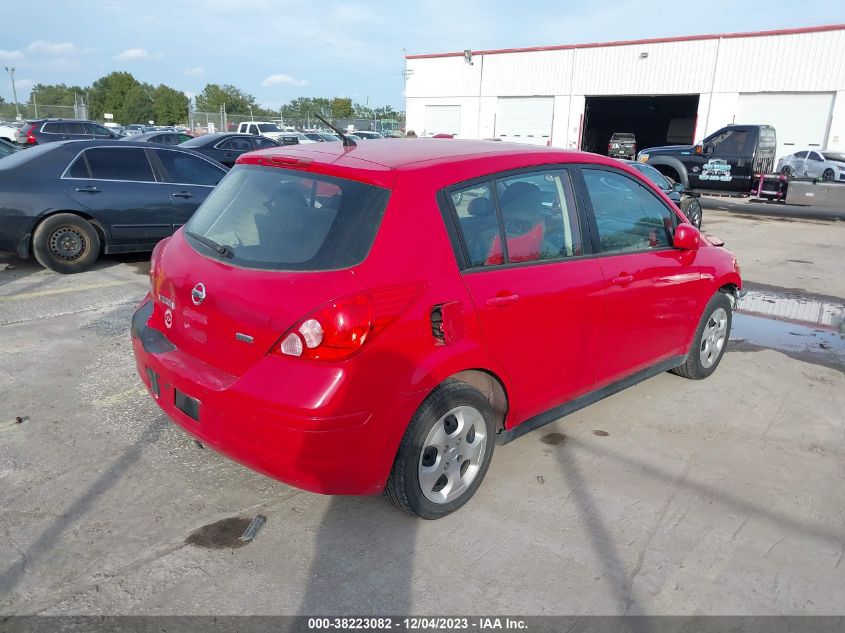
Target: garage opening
[{"x": 657, "y": 120}]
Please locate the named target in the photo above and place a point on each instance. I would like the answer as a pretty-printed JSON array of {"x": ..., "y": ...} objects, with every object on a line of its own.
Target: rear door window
[
  {"x": 533, "y": 214},
  {"x": 76, "y": 128},
  {"x": 119, "y": 163},
  {"x": 183, "y": 168},
  {"x": 628, "y": 217},
  {"x": 282, "y": 219}
]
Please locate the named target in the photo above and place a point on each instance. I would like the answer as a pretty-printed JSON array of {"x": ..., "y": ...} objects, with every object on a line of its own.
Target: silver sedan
[{"x": 813, "y": 164}]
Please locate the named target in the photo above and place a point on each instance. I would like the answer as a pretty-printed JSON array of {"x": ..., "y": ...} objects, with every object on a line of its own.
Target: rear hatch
[{"x": 266, "y": 248}]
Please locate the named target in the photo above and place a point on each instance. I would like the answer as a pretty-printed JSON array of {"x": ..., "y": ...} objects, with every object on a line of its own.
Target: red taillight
[
  {"x": 154, "y": 266},
  {"x": 340, "y": 328},
  {"x": 29, "y": 132}
]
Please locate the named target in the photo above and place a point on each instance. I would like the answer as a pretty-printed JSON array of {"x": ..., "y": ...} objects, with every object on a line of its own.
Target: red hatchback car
[{"x": 352, "y": 320}]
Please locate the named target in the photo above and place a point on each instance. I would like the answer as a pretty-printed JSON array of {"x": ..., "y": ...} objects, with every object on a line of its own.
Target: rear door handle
[
  {"x": 88, "y": 189},
  {"x": 621, "y": 280},
  {"x": 498, "y": 302},
  {"x": 182, "y": 194}
]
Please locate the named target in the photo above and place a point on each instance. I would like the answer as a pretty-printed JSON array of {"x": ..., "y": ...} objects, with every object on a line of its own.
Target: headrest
[
  {"x": 480, "y": 207},
  {"x": 517, "y": 190}
]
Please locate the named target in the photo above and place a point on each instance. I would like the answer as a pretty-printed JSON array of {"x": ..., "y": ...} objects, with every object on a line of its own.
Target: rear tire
[
  {"x": 66, "y": 243},
  {"x": 710, "y": 340},
  {"x": 444, "y": 453},
  {"x": 787, "y": 171},
  {"x": 691, "y": 207}
]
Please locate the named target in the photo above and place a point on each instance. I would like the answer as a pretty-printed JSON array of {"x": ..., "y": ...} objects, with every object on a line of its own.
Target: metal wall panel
[
  {"x": 807, "y": 62},
  {"x": 669, "y": 68},
  {"x": 538, "y": 73}
]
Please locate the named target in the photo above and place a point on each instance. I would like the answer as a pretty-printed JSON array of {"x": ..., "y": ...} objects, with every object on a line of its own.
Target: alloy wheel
[
  {"x": 713, "y": 337},
  {"x": 452, "y": 454}
]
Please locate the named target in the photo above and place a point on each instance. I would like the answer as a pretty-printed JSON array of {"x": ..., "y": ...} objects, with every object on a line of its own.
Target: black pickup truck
[{"x": 729, "y": 160}]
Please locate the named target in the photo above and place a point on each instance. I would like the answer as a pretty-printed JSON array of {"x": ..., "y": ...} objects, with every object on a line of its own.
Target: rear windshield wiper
[{"x": 225, "y": 251}]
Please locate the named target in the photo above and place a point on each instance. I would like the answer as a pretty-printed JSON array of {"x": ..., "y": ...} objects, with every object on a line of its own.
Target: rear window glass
[{"x": 282, "y": 219}]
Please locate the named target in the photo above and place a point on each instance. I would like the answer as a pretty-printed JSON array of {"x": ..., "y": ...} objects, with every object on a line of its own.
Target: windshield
[
  {"x": 269, "y": 127},
  {"x": 835, "y": 156},
  {"x": 281, "y": 219}
]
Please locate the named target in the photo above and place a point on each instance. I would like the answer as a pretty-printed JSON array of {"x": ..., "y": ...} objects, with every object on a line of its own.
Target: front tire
[
  {"x": 66, "y": 243},
  {"x": 691, "y": 207},
  {"x": 444, "y": 453},
  {"x": 828, "y": 175},
  {"x": 710, "y": 340}
]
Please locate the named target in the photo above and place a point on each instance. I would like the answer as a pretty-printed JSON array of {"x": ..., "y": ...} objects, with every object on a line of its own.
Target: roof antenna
[{"x": 347, "y": 142}]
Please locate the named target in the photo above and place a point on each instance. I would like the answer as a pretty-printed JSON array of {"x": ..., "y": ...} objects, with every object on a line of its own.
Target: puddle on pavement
[
  {"x": 224, "y": 534},
  {"x": 600, "y": 433},
  {"x": 805, "y": 327}
]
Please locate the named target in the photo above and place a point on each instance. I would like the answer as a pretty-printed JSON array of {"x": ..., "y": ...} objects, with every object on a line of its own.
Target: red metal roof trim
[{"x": 656, "y": 40}]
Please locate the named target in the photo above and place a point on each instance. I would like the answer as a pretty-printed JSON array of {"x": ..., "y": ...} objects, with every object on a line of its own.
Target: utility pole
[
  {"x": 34, "y": 104},
  {"x": 11, "y": 72}
]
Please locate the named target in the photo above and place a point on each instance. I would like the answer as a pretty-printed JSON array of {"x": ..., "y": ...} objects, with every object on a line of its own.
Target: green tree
[
  {"x": 55, "y": 94},
  {"x": 137, "y": 106},
  {"x": 109, "y": 93},
  {"x": 171, "y": 106},
  {"x": 236, "y": 101},
  {"x": 342, "y": 108}
]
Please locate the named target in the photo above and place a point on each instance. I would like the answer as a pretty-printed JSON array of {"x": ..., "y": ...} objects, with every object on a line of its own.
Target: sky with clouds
[{"x": 281, "y": 49}]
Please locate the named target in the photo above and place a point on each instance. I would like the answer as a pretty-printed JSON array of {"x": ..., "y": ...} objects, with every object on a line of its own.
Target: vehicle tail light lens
[
  {"x": 340, "y": 328},
  {"x": 27, "y": 134},
  {"x": 154, "y": 265}
]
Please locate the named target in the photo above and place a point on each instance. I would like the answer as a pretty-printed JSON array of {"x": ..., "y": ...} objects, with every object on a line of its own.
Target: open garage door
[
  {"x": 442, "y": 119},
  {"x": 525, "y": 119},
  {"x": 801, "y": 121},
  {"x": 657, "y": 120}
]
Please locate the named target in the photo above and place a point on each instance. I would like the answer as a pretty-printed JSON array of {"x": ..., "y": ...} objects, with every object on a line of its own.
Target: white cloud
[
  {"x": 51, "y": 48},
  {"x": 10, "y": 56},
  {"x": 195, "y": 71},
  {"x": 133, "y": 53},
  {"x": 281, "y": 78}
]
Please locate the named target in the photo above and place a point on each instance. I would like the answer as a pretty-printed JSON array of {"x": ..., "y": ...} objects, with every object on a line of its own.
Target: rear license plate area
[{"x": 187, "y": 405}]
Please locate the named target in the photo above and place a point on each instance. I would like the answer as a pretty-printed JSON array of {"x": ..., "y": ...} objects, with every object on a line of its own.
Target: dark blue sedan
[
  {"x": 225, "y": 147},
  {"x": 68, "y": 202}
]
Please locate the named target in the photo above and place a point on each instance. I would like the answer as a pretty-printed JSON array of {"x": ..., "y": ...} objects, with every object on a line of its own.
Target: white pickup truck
[{"x": 265, "y": 128}]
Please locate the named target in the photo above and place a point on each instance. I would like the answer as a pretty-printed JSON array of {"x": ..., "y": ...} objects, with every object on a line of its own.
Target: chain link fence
[
  {"x": 209, "y": 122},
  {"x": 9, "y": 112}
]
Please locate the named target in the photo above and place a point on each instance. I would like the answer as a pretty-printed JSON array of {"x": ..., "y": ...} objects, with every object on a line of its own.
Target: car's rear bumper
[{"x": 344, "y": 452}]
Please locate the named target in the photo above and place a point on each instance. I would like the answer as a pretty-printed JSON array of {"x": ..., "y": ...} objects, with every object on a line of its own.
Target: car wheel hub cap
[
  {"x": 452, "y": 454},
  {"x": 67, "y": 243},
  {"x": 713, "y": 338}
]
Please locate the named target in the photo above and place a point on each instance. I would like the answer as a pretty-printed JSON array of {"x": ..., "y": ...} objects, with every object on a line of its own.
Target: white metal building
[{"x": 669, "y": 90}]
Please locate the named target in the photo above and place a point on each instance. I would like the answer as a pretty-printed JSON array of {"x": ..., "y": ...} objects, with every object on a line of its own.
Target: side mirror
[
  {"x": 678, "y": 187},
  {"x": 686, "y": 237},
  {"x": 709, "y": 150}
]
